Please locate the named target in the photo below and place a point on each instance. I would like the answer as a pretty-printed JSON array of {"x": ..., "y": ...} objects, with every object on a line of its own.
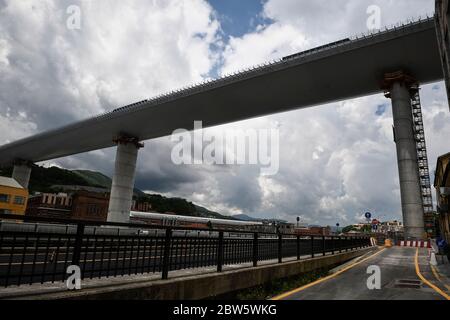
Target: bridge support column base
[
  {"x": 410, "y": 191},
  {"x": 21, "y": 173},
  {"x": 123, "y": 180}
]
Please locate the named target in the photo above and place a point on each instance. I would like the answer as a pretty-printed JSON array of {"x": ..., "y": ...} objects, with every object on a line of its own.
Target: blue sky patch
[
  {"x": 238, "y": 17},
  {"x": 381, "y": 109}
]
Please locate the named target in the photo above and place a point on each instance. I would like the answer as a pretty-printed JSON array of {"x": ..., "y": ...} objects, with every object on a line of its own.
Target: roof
[{"x": 10, "y": 182}]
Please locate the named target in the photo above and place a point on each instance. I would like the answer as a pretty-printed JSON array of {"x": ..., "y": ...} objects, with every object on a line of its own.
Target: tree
[{"x": 348, "y": 229}]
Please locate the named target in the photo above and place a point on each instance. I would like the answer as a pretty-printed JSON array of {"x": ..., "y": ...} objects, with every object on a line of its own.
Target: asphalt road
[{"x": 398, "y": 280}]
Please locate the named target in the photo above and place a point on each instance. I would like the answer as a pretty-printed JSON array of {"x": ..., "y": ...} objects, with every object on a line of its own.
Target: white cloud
[
  {"x": 125, "y": 51},
  {"x": 337, "y": 161}
]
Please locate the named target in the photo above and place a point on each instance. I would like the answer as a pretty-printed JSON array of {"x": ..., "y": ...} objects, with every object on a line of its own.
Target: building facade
[
  {"x": 50, "y": 205},
  {"x": 141, "y": 206},
  {"x": 313, "y": 231},
  {"x": 442, "y": 186},
  {"x": 79, "y": 205},
  {"x": 90, "y": 206},
  {"x": 13, "y": 197},
  {"x": 391, "y": 226},
  {"x": 442, "y": 17}
]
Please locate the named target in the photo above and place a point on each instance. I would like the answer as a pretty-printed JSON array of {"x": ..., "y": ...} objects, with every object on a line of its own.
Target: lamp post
[{"x": 337, "y": 228}]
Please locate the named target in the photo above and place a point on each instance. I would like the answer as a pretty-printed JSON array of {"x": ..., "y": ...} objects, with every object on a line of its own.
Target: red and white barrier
[{"x": 415, "y": 243}]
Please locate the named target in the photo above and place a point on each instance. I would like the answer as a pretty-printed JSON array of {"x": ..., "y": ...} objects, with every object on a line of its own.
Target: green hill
[
  {"x": 94, "y": 178},
  {"x": 45, "y": 179},
  {"x": 42, "y": 179}
]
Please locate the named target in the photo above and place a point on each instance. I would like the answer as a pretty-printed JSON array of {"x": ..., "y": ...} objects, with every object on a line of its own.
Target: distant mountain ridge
[
  {"x": 245, "y": 217},
  {"x": 95, "y": 178}
]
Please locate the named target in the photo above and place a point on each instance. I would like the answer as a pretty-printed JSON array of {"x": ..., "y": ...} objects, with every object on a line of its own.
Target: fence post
[
  {"x": 298, "y": 247},
  {"x": 280, "y": 247},
  {"x": 312, "y": 246},
  {"x": 78, "y": 244},
  {"x": 332, "y": 244},
  {"x": 255, "y": 249},
  {"x": 324, "y": 249},
  {"x": 220, "y": 252},
  {"x": 166, "y": 257}
]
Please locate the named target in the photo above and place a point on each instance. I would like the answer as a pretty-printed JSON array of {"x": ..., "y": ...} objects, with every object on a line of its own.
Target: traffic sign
[{"x": 368, "y": 215}]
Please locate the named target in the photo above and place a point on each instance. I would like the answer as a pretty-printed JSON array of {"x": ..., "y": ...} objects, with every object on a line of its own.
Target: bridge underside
[{"x": 350, "y": 70}]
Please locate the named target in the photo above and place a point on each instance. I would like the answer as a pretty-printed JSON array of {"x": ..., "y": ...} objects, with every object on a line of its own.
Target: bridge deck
[{"x": 332, "y": 73}]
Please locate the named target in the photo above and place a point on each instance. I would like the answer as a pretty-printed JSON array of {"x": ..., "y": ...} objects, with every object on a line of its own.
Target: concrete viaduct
[{"x": 341, "y": 70}]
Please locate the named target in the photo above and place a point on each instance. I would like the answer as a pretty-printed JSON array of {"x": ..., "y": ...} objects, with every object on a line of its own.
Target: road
[{"x": 398, "y": 279}]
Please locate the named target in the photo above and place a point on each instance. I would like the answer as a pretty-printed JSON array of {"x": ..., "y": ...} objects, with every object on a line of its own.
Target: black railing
[{"x": 42, "y": 251}]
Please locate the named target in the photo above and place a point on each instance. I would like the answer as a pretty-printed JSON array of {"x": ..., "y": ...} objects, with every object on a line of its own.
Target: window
[
  {"x": 19, "y": 200},
  {"x": 4, "y": 198},
  {"x": 93, "y": 209}
]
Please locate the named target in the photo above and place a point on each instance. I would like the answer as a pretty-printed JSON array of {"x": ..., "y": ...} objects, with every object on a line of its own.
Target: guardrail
[{"x": 29, "y": 255}]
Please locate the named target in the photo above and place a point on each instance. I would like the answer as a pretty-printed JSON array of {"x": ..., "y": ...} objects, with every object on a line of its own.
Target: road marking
[
  {"x": 416, "y": 262},
  {"x": 437, "y": 275},
  {"x": 287, "y": 294}
]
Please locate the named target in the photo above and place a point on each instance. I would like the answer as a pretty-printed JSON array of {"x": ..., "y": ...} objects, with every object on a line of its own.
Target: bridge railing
[{"x": 42, "y": 251}]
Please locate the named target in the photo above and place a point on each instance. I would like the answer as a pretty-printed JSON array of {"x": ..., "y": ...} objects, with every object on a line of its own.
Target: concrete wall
[{"x": 207, "y": 285}]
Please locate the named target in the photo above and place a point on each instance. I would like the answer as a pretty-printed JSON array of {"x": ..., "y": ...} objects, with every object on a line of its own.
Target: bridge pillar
[
  {"x": 121, "y": 196},
  {"x": 22, "y": 172},
  {"x": 398, "y": 87}
]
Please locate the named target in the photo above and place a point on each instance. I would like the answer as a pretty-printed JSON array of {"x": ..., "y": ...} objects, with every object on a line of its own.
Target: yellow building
[
  {"x": 13, "y": 197},
  {"x": 442, "y": 185}
]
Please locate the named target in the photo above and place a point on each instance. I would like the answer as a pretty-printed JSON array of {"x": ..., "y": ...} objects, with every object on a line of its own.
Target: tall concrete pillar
[
  {"x": 22, "y": 172},
  {"x": 123, "y": 180},
  {"x": 411, "y": 197}
]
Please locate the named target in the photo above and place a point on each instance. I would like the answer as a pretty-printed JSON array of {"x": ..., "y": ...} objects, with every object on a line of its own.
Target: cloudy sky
[{"x": 336, "y": 161}]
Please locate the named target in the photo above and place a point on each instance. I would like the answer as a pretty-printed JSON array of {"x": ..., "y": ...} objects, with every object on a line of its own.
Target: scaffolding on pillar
[{"x": 422, "y": 161}]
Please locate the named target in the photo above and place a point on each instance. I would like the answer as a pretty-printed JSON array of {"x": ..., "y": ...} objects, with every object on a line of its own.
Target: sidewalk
[
  {"x": 440, "y": 272},
  {"x": 60, "y": 286}
]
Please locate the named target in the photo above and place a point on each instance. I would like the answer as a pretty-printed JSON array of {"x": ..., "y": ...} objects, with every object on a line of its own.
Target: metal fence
[{"x": 42, "y": 251}]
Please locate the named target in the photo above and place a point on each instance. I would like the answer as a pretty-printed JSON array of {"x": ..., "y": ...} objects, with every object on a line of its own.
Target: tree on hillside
[{"x": 348, "y": 229}]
